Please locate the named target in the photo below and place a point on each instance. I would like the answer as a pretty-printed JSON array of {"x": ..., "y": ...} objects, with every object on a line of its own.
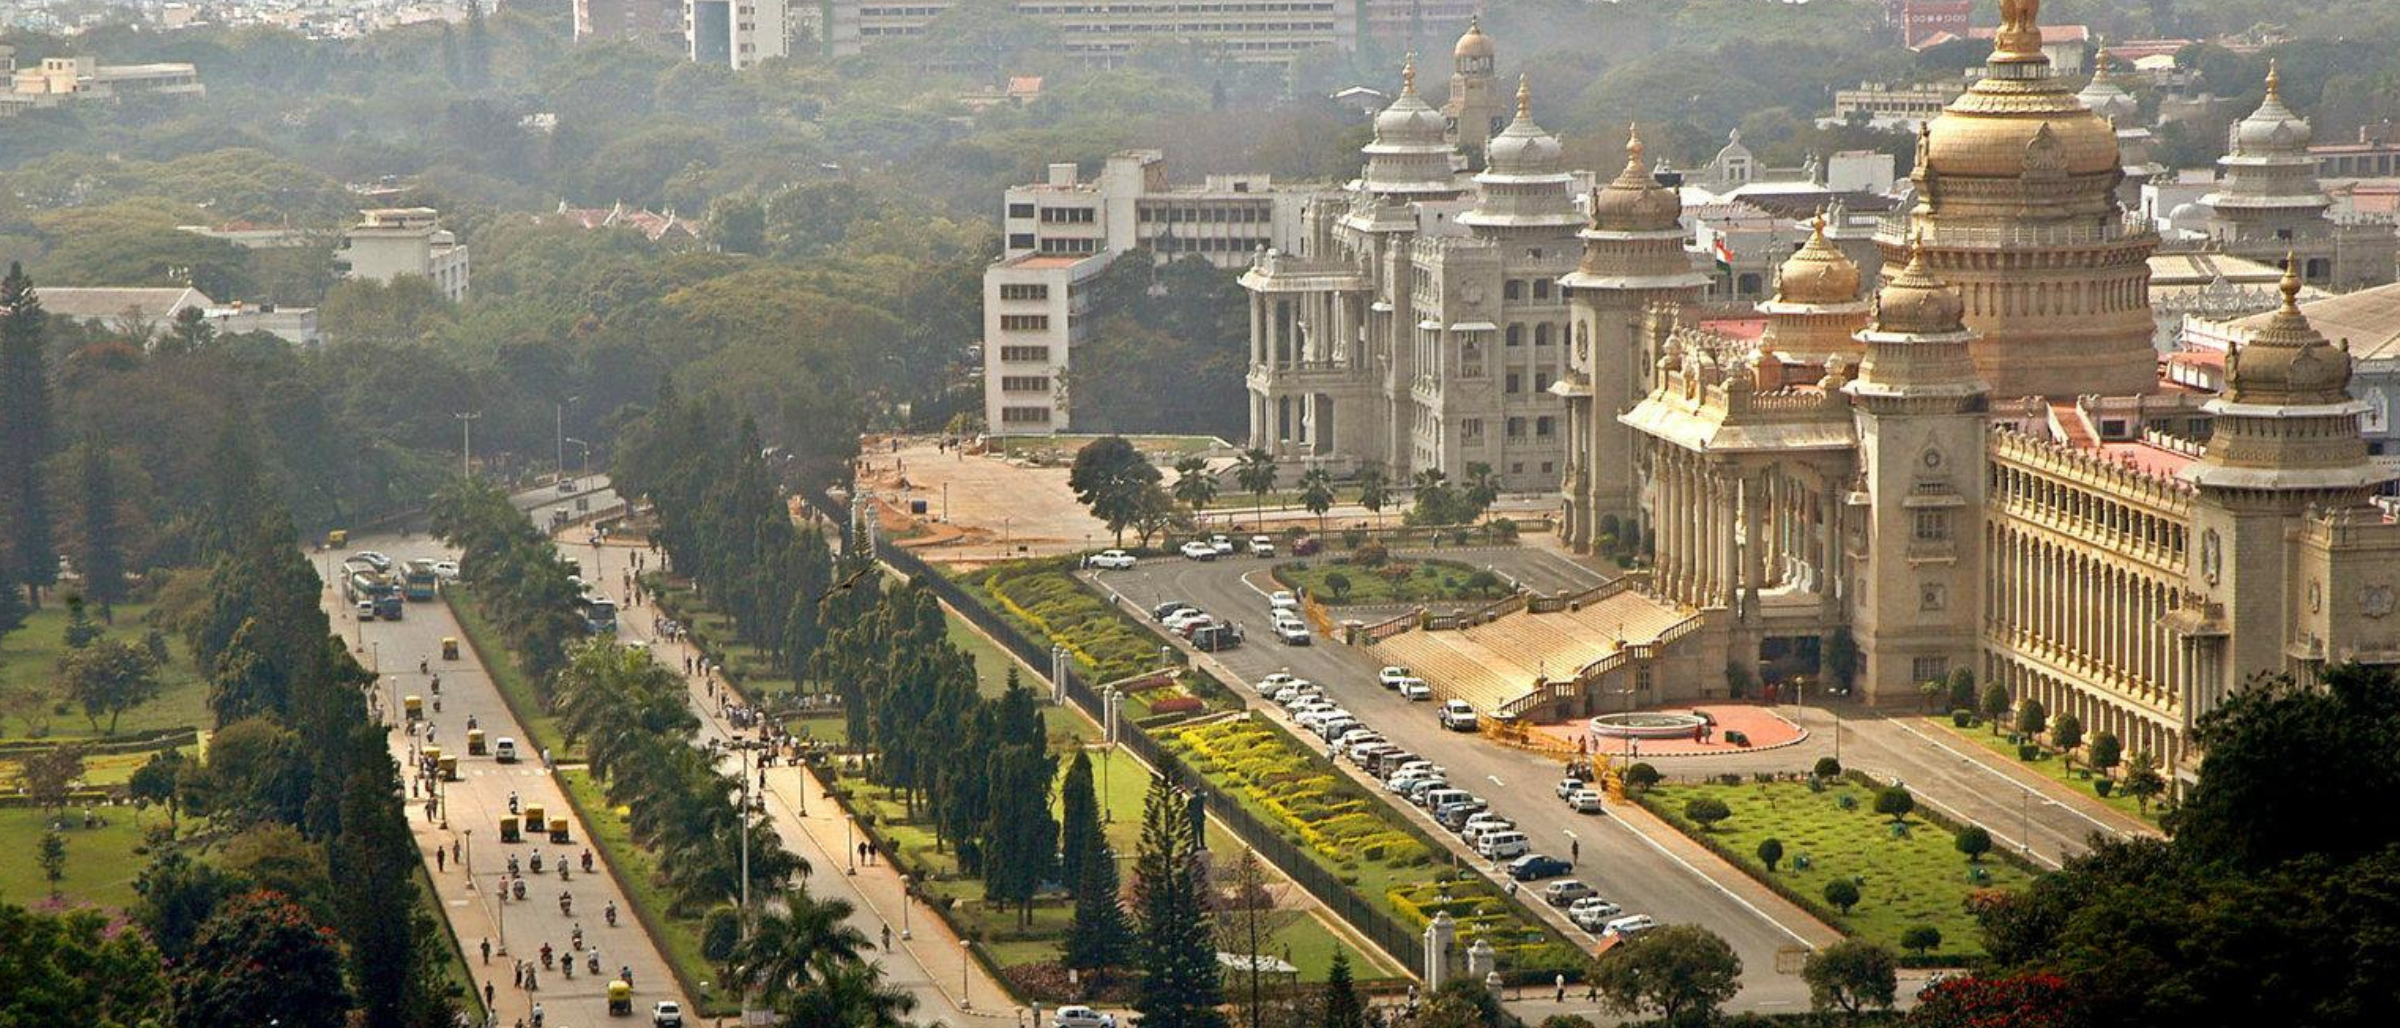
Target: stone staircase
[{"x": 1516, "y": 663}]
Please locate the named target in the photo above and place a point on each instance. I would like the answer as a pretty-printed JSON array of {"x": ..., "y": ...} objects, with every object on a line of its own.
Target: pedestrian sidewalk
[{"x": 931, "y": 963}]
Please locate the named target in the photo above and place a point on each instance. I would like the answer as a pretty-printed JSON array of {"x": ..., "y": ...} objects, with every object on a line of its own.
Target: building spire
[
  {"x": 1408, "y": 75},
  {"x": 1524, "y": 98},
  {"x": 2274, "y": 79},
  {"x": 2291, "y": 282},
  {"x": 1633, "y": 146}
]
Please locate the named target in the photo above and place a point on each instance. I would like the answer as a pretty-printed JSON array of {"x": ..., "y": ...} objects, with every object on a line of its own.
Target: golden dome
[
  {"x": 2288, "y": 362},
  {"x": 1474, "y": 43},
  {"x": 1918, "y": 304},
  {"x": 1817, "y": 273},
  {"x": 2019, "y": 118},
  {"x": 1635, "y": 202}
]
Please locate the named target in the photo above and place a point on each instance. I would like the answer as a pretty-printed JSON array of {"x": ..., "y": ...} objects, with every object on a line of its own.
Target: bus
[
  {"x": 417, "y": 579},
  {"x": 365, "y": 584},
  {"x": 599, "y": 613}
]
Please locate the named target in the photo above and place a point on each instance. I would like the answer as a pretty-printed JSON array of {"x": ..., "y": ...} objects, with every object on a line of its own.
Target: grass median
[
  {"x": 2049, "y": 765},
  {"x": 1907, "y": 874},
  {"x": 517, "y": 688},
  {"x": 637, "y": 871}
]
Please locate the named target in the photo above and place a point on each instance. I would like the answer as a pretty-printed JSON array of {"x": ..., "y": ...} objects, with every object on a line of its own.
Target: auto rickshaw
[
  {"x": 337, "y": 538},
  {"x": 415, "y": 705},
  {"x": 509, "y": 832},
  {"x": 449, "y": 647},
  {"x": 475, "y": 746},
  {"x": 447, "y": 766},
  {"x": 620, "y": 998},
  {"x": 534, "y": 821},
  {"x": 433, "y": 755},
  {"x": 558, "y": 831}
]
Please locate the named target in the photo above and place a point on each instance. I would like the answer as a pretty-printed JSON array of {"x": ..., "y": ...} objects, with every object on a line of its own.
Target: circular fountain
[{"x": 1647, "y": 724}]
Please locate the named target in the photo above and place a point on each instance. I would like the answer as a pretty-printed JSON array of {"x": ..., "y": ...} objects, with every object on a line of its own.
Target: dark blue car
[{"x": 1534, "y": 867}]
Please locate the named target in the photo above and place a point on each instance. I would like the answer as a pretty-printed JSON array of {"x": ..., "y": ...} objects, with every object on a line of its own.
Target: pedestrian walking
[
  {"x": 441, "y": 859},
  {"x": 454, "y": 849},
  {"x": 487, "y": 949},
  {"x": 1562, "y": 988},
  {"x": 887, "y": 938},
  {"x": 1574, "y": 850},
  {"x": 487, "y": 995}
]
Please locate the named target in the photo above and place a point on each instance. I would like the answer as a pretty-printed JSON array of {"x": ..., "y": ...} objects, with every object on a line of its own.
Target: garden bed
[
  {"x": 1339, "y": 581},
  {"x": 1911, "y": 877},
  {"x": 1357, "y": 837},
  {"x": 2048, "y": 765}
]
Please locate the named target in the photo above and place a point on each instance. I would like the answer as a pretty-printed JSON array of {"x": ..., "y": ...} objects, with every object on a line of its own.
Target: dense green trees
[
  {"x": 73, "y": 967},
  {"x": 261, "y": 959},
  {"x": 2274, "y": 898},
  {"x": 27, "y": 437},
  {"x": 1851, "y": 976},
  {"x": 514, "y": 571},
  {"x": 1681, "y": 973},
  {"x": 1100, "y": 935}
]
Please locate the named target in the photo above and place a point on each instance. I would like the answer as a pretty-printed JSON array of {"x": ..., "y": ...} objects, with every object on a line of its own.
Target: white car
[
  {"x": 666, "y": 1013},
  {"x": 1292, "y": 633},
  {"x": 1591, "y": 913},
  {"x": 1282, "y": 599},
  {"x": 1291, "y": 694},
  {"x": 1628, "y": 927},
  {"x": 1458, "y": 716},
  {"x": 1221, "y": 544},
  {"x": 1415, "y": 689},
  {"x": 1082, "y": 1017},
  {"x": 1197, "y": 550},
  {"x": 1268, "y": 685},
  {"x": 1480, "y": 823},
  {"x": 1112, "y": 560},
  {"x": 1261, "y": 546},
  {"x": 1314, "y": 718},
  {"x": 446, "y": 570},
  {"x": 1179, "y": 619},
  {"x": 1405, "y": 781},
  {"x": 1584, "y": 801},
  {"x": 1391, "y": 677},
  {"x": 1568, "y": 787}
]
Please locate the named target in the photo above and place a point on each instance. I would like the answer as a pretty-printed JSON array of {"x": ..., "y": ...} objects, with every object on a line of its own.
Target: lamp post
[
  {"x": 559, "y": 422},
  {"x": 966, "y": 965},
  {"x": 907, "y": 900},
  {"x": 466, "y": 442},
  {"x": 849, "y": 847}
]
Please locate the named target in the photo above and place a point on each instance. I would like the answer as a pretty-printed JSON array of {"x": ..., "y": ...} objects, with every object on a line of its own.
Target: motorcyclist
[
  {"x": 548, "y": 957},
  {"x": 575, "y": 938},
  {"x": 537, "y": 860},
  {"x": 566, "y": 902},
  {"x": 612, "y": 913},
  {"x": 512, "y": 858},
  {"x": 537, "y": 1015},
  {"x": 587, "y": 861},
  {"x": 512, "y": 808},
  {"x": 592, "y": 960}
]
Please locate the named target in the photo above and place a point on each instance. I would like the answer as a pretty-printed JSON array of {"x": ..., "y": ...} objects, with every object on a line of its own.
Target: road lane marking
[
  {"x": 1996, "y": 773},
  {"x": 1714, "y": 884}
]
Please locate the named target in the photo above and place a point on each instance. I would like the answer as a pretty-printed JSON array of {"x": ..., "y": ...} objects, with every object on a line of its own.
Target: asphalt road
[
  {"x": 1620, "y": 863},
  {"x": 473, "y": 807}
]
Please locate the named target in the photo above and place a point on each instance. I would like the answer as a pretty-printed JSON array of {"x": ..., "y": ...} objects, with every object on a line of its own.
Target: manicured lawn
[
  {"x": 101, "y": 862},
  {"x": 1916, "y": 877},
  {"x": 1396, "y": 582},
  {"x": 992, "y": 665},
  {"x": 99, "y": 769},
  {"x": 2050, "y": 765},
  {"x": 516, "y": 688},
  {"x": 638, "y": 870},
  {"x": 29, "y": 657}
]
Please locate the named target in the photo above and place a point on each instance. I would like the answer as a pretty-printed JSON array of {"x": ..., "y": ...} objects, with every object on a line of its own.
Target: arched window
[
  {"x": 1541, "y": 334},
  {"x": 1516, "y": 335}
]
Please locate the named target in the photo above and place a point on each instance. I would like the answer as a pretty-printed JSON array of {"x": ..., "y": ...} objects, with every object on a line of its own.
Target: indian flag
[{"x": 1722, "y": 252}]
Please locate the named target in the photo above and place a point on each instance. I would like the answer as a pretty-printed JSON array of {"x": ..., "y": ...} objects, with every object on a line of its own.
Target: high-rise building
[
  {"x": 633, "y": 21},
  {"x": 1059, "y": 233},
  {"x": 740, "y": 33}
]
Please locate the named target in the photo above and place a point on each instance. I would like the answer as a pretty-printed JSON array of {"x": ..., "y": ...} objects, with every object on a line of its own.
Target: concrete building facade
[
  {"x": 1254, "y": 30},
  {"x": 388, "y": 243}
]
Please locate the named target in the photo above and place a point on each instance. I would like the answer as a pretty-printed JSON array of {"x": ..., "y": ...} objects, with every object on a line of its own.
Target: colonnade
[{"x": 1725, "y": 530}]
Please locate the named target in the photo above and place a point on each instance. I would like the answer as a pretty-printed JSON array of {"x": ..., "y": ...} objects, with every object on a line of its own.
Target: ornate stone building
[
  {"x": 1986, "y": 467},
  {"x": 1421, "y": 324},
  {"x": 2268, "y": 203}
]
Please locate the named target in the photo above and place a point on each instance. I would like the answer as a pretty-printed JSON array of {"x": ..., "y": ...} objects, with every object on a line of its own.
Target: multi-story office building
[
  {"x": 1062, "y": 231},
  {"x": 395, "y": 241},
  {"x": 635, "y": 21},
  {"x": 1261, "y": 30},
  {"x": 740, "y": 33}
]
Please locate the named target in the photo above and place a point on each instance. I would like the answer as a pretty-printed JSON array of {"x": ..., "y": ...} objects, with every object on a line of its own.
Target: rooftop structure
[{"x": 390, "y": 242}]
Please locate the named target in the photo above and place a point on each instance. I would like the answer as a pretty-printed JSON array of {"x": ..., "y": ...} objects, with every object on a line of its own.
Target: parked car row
[
  {"x": 1221, "y": 545},
  {"x": 1290, "y": 628},
  {"x": 1405, "y": 682},
  {"x": 1207, "y": 632}
]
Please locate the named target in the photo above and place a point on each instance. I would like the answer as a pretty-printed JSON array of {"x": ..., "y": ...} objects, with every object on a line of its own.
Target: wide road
[
  {"x": 1619, "y": 862},
  {"x": 473, "y": 806}
]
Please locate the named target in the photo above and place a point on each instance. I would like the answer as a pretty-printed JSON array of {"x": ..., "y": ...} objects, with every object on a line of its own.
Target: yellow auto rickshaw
[
  {"x": 432, "y": 757},
  {"x": 449, "y": 647},
  {"x": 620, "y": 998},
  {"x": 337, "y": 538},
  {"x": 509, "y": 831},
  {"x": 415, "y": 705},
  {"x": 534, "y": 821},
  {"x": 558, "y": 831},
  {"x": 475, "y": 747},
  {"x": 447, "y": 765}
]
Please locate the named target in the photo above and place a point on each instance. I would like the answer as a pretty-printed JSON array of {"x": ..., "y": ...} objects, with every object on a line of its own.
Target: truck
[{"x": 417, "y": 579}]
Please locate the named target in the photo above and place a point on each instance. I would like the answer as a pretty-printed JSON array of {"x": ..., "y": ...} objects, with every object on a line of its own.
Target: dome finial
[
  {"x": 2291, "y": 282},
  {"x": 1524, "y": 97},
  {"x": 1408, "y": 75},
  {"x": 2274, "y": 79},
  {"x": 1633, "y": 145}
]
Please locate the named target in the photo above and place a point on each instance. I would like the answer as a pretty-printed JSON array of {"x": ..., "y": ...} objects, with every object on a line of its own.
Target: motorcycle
[
  {"x": 612, "y": 913},
  {"x": 512, "y": 858},
  {"x": 587, "y": 862},
  {"x": 548, "y": 959},
  {"x": 563, "y": 874},
  {"x": 594, "y": 961},
  {"x": 566, "y": 905},
  {"x": 520, "y": 889},
  {"x": 537, "y": 862},
  {"x": 575, "y": 939},
  {"x": 566, "y": 968}
]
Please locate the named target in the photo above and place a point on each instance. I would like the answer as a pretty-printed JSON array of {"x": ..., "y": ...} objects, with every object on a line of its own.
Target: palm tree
[
  {"x": 1256, "y": 473},
  {"x": 809, "y": 942},
  {"x": 1483, "y": 487},
  {"x": 1316, "y": 493},
  {"x": 1374, "y": 491},
  {"x": 1194, "y": 485},
  {"x": 850, "y": 996}
]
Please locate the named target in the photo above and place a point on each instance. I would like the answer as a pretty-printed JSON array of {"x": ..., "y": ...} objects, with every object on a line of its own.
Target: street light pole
[
  {"x": 466, "y": 445},
  {"x": 905, "y": 903},
  {"x": 559, "y": 418}
]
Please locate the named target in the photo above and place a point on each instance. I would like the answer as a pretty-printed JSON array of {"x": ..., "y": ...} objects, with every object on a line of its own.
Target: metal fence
[{"x": 1369, "y": 919}]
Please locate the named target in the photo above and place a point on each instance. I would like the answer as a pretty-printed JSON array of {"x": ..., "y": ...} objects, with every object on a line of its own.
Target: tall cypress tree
[
  {"x": 1100, "y": 935},
  {"x": 1343, "y": 1008},
  {"x": 1180, "y": 984},
  {"x": 26, "y": 435},
  {"x": 1079, "y": 819},
  {"x": 100, "y": 550}
]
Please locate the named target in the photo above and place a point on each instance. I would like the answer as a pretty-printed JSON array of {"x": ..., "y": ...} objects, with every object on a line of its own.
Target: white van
[
  {"x": 1502, "y": 845},
  {"x": 1432, "y": 799},
  {"x": 504, "y": 750},
  {"x": 1628, "y": 927}
]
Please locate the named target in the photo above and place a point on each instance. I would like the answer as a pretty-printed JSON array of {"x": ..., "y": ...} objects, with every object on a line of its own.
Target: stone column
[{"x": 1755, "y": 492}]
